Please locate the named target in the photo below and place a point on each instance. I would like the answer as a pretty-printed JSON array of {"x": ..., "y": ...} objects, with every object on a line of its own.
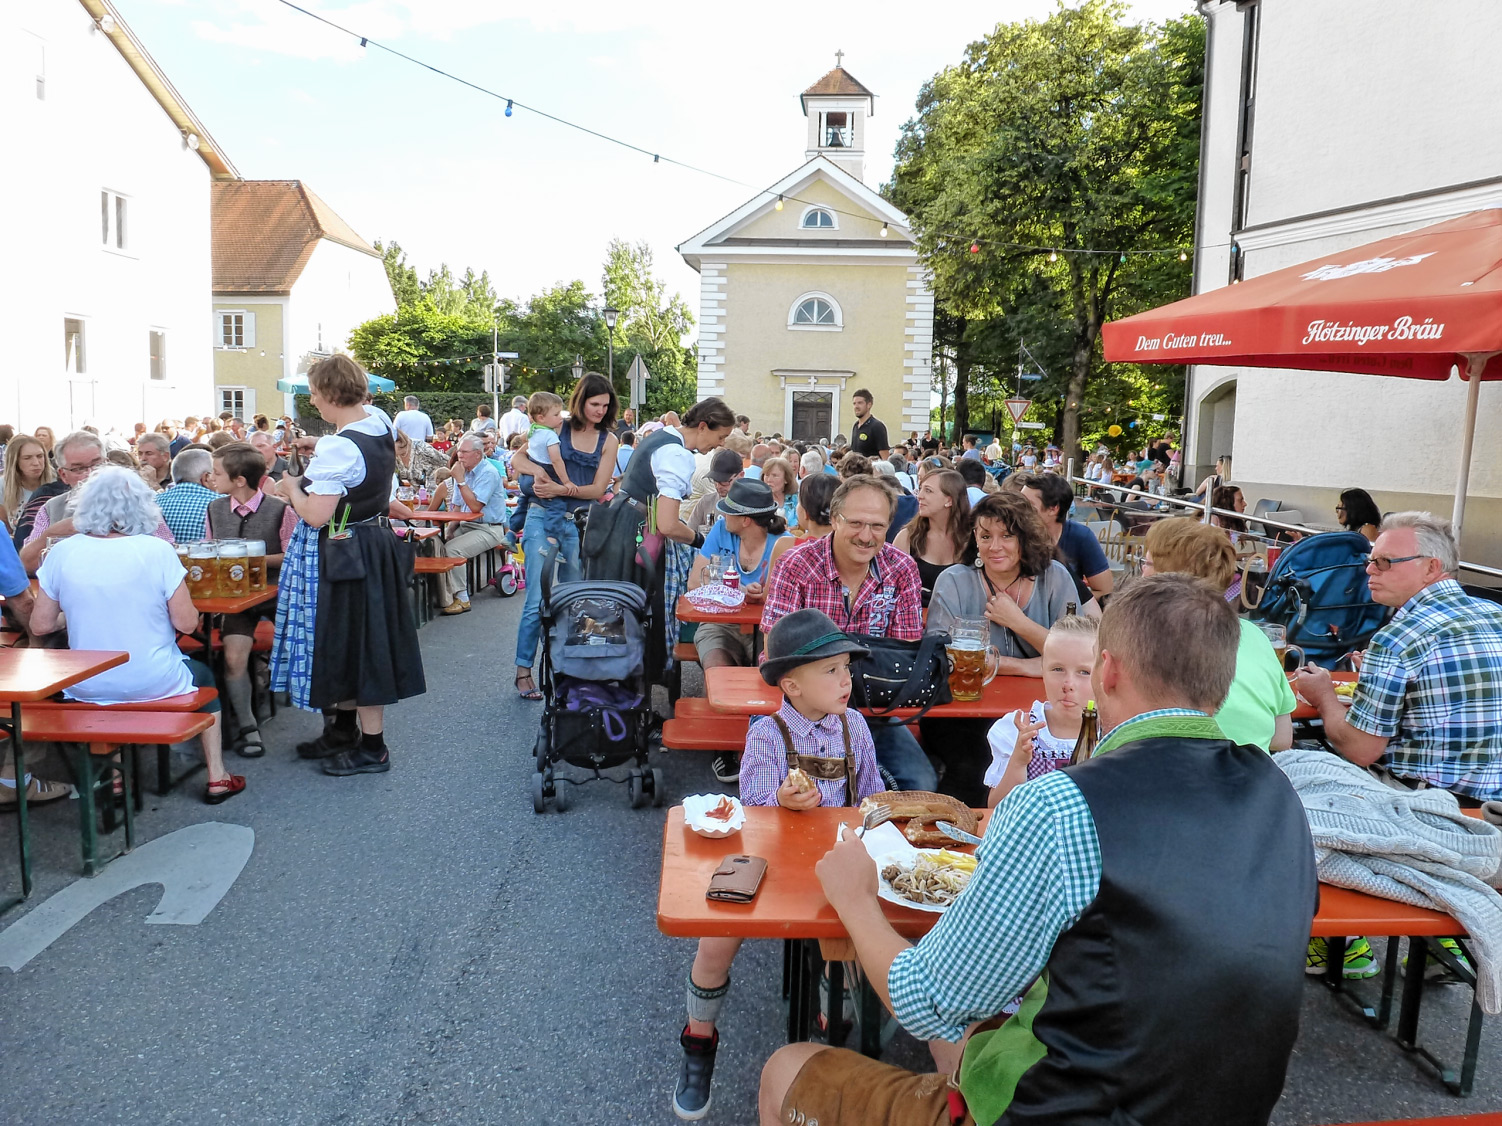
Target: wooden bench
[
  {"x": 696, "y": 726},
  {"x": 422, "y": 591},
  {"x": 187, "y": 702},
  {"x": 93, "y": 735}
]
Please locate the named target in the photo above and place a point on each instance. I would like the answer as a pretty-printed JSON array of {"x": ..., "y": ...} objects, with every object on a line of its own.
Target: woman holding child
[
  {"x": 830, "y": 744},
  {"x": 588, "y": 447},
  {"x": 1010, "y": 579}
]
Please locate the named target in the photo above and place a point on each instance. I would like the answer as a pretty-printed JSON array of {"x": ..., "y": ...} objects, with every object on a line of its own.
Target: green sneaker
[
  {"x": 1437, "y": 972},
  {"x": 1360, "y": 962}
]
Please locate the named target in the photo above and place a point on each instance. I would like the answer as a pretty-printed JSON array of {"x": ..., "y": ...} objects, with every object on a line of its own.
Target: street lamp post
[
  {"x": 578, "y": 367},
  {"x": 611, "y": 316}
]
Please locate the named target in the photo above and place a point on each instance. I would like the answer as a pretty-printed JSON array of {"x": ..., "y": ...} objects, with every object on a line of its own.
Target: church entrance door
[{"x": 812, "y": 411}]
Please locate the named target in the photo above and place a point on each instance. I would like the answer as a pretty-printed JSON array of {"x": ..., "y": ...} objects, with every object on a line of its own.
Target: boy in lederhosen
[{"x": 812, "y": 752}]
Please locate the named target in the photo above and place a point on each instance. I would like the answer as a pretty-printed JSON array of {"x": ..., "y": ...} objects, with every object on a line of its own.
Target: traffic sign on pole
[
  {"x": 636, "y": 378},
  {"x": 1017, "y": 408}
]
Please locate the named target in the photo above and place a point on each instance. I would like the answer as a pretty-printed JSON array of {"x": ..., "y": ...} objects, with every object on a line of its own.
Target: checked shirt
[
  {"x": 888, "y": 604},
  {"x": 1431, "y": 682},
  {"x": 1039, "y": 868}
]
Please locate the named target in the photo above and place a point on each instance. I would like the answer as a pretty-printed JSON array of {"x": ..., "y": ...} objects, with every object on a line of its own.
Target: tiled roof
[
  {"x": 265, "y": 232},
  {"x": 839, "y": 81}
]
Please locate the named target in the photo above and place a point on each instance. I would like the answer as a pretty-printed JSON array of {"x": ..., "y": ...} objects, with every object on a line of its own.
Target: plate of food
[
  {"x": 925, "y": 879},
  {"x": 713, "y": 815}
]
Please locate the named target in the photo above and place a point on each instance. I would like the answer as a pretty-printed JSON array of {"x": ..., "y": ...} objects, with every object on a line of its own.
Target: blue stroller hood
[
  {"x": 597, "y": 630},
  {"x": 1318, "y": 589}
]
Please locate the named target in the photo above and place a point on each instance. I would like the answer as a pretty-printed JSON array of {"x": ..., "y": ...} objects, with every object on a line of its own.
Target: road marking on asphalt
[{"x": 195, "y": 866}]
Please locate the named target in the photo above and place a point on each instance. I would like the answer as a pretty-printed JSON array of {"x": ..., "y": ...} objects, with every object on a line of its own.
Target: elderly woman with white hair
[{"x": 122, "y": 588}]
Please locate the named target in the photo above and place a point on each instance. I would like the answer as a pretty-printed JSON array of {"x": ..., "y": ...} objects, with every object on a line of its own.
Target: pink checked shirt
[{"x": 888, "y": 604}]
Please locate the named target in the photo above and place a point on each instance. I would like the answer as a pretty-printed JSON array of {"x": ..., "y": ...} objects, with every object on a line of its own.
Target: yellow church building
[{"x": 813, "y": 290}]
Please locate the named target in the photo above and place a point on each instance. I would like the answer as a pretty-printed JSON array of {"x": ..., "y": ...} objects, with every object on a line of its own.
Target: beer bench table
[
  {"x": 26, "y": 676},
  {"x": 1302, "y": 712},
  {"x": 747, "y": 614},
  {"x": 444, "y": 519},
  {"x": 790, "y": 905},
  {"x": 741, "y": 691}
]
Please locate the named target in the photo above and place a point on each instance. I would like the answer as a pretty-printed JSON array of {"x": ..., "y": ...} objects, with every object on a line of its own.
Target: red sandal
[{"x": 229, "y": 787}]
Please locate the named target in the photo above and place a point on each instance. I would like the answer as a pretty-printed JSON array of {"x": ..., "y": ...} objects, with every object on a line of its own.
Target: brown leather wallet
[{"x": 736, "y": 879}]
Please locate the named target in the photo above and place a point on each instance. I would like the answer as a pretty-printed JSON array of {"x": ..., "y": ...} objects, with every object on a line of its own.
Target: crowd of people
[{"x": 843, "y": 544}]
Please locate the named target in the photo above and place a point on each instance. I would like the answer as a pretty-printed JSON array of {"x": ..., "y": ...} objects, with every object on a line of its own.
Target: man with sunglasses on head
[{"x": 1430, "y": 690}]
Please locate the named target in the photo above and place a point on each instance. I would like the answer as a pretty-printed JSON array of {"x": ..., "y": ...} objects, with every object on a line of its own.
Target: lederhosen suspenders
[{"x": 816, "y": 766}]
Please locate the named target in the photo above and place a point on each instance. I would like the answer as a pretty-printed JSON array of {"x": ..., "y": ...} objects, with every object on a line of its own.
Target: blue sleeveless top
[{"x": 582, "y": 465}]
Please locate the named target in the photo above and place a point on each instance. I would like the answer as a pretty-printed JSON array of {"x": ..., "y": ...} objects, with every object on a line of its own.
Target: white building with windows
[
  {"x": 291, "y": 279},
  {"x": 1329, "y": 125},
  {"x": 107, "y": 190},
  {"x": 813, "y": 290}
]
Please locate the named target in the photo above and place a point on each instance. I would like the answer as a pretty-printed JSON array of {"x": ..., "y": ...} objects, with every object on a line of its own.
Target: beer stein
[{"x": 973, "y": 660}]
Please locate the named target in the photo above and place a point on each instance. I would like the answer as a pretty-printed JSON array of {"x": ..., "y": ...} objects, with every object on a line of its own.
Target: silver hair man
[
  {"x": 192, "y": 465},
  {"x": 1434, "y": 536}
]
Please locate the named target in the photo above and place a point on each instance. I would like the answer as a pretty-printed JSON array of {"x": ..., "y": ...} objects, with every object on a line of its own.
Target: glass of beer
[
  {"x": 255, "y": 557},
  {"x": 234, "y": 576},
  {"x": 202, "y": 569},
  {"x": 1278, "y": 635},
  {"x": 973, "y": 661}
]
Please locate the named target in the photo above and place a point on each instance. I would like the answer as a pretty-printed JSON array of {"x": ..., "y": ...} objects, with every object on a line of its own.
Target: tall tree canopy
[
  {"x": 1079, "y": 135},
  {"x": 652, "y": 325}
]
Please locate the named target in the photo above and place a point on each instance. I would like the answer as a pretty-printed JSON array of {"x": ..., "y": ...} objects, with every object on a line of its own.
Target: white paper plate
[
  {"x": 696, "y": 806},
  {"x": 887, "y": 845}
]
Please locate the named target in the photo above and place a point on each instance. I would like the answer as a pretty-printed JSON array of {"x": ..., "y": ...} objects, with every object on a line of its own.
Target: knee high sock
[
  {"x": 705, "y": 1004},
  {"x": 237, "y": 688}
]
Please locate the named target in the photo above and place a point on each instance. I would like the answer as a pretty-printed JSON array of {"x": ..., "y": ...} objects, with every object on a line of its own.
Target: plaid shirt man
[
  {"x": 1431, "y": 682},
  {"x": 185, "y": 508},
  {"x": 888, "y": 604}
]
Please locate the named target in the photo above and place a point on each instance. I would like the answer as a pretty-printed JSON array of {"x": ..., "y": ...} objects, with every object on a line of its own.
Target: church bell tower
[{"x": 837, "y": 107}]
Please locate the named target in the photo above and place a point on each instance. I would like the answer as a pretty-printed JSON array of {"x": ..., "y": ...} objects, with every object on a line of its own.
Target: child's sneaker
[
  {"x": 1360, "y": 962},
  {"x": 1436, "y": 971},
  {"x": 691, "y": 1099}
]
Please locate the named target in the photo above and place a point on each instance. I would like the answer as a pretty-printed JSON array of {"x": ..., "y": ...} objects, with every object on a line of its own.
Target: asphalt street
[{"x": 420, "y": 947}]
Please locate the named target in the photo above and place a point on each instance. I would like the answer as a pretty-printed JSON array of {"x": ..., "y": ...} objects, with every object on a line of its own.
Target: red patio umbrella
[{"x": 1414, "y": 306}]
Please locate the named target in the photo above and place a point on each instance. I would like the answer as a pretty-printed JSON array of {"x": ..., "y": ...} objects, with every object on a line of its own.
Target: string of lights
[{"x": 975, "y": 244}]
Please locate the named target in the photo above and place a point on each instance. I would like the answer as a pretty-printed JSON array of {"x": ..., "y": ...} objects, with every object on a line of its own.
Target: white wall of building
[
  {"x": 96, "y": 128},
  {"x": 338, "y": 289},
  {"x": 1372, "y": 117}
]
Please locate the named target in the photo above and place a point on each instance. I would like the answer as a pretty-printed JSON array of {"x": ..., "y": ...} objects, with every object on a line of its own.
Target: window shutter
[
  {"x": 248, "y": 411},
  {"x": 250, "y": 330}
]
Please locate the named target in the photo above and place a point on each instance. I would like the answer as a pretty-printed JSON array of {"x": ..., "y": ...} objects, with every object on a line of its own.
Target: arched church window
[
  {"x": 816, "y": 311},
  {"x": 817, "y": 217}
]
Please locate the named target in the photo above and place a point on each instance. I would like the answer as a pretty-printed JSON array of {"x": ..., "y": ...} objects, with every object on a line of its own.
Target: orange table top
[
  {"x": 445, "y": 517},
  {"x": 791, "y": 904},
  {"x": 35, "y": 674},
  {"x": 235, "y": 605},
  {"x": 747, "y": 614},
  {"x": 741, "y": 691},
  {"x": 1302, "y": 710}
]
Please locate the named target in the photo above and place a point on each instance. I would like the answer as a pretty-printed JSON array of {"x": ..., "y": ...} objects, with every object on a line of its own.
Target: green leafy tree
[
  {"x": 423, "y": 349},
  {"x": 403, "y": 278},
  {"x": 1080, "y": 133},
  {"x": 652, "y": 325}
]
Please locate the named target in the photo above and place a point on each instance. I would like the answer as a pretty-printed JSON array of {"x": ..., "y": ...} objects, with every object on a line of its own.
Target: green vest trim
[{"x": 1162, "y": 727}]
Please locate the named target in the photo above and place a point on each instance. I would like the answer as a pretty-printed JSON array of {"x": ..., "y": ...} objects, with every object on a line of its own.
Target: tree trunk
[
  {"x": 1073, "y": 399},
  {"x": 961, "y": 397}
]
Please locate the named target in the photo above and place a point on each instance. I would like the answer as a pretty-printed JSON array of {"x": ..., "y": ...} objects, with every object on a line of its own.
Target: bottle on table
[
  {"x": 732, "y": 577},
  {"x": 1070, "y": 610},
  {"x": 1084, "y": 745}
]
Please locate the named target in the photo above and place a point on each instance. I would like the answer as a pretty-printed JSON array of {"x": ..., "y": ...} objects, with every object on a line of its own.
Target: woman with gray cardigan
[{"x": 1010, "y": 578}]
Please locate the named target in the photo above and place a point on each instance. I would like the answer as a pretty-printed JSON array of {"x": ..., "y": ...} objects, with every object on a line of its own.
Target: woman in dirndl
[
  {"x": 346, "y": 643},
  {"x": 647, "y": 517}
]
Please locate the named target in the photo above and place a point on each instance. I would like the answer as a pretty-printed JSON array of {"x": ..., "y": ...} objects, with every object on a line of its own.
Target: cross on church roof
[{"x": 839, "y": 58}]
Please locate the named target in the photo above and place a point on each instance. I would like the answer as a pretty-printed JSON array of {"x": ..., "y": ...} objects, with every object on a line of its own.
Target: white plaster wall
[{"x": 97, "y": 128}]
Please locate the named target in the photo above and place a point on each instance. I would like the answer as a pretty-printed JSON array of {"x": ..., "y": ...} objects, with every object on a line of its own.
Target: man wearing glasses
[
  {"x": 78, "y": 454},
  {"x": 1430, "y": 691},
  {"x": 866, "y": 586}
]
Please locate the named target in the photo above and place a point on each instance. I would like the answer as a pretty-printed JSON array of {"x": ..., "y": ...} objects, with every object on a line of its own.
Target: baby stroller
[
  {"x": 597, "y": 710},
  {"x": 1318, "y": 590}
]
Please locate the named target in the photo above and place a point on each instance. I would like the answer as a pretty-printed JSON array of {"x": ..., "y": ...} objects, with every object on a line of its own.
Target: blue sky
[{"x": 403, "y": 154}]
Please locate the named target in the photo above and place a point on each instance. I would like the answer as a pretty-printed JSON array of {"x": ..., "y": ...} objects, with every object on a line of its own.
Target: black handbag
[{"x": 900, "y": 674}]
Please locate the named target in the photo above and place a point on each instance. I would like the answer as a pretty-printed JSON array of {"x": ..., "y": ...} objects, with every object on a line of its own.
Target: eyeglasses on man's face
[
  {"x": 861, "y": 527},
  {"x": 1385, "y": 563},
  {"x": 89, "y": 468}
]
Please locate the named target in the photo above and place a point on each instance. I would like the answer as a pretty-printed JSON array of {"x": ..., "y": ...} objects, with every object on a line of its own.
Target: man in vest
[{"x": 1149, "y": 910}]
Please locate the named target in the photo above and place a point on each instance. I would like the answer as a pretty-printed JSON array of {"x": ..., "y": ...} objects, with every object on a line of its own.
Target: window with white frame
[
  {"x": 158, "y": 353},
  {"x": 234, "y": 328},
  {"x": 819, "y": 218},
  {"x": 73, "y": 351},
  {"x": 239, "y": 401},
  {"x": 114, "y": 230},
  {"x": 816, "y": 311}
]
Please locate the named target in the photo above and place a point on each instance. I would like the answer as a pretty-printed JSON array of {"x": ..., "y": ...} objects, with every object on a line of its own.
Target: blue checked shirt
[
  {"x": 765, "y": 762},
  {"x": 185, "y": 507},
  {"x": 1039, "y": 869},
  {"x": 1431, "y": 683}
]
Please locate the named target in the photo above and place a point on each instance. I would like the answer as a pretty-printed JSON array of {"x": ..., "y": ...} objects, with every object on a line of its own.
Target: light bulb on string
[
  {"x": 883, "y": 230},
  {"x": 1053, "y": 255},
  {"x": 1183, "y": 257},
  {"x": 975, "y": 248},
  {"x": 508, "y": 107},
  {"x": 778, "y": 204}
]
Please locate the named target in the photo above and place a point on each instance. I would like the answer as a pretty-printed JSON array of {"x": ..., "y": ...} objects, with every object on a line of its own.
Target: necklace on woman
[{"x": 1007, "y": 590}]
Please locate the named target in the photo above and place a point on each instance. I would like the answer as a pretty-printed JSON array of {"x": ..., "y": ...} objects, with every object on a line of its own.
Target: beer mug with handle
[
  {"x": 1278, "y": 635},
  {"x": 973, "y": 660}
]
